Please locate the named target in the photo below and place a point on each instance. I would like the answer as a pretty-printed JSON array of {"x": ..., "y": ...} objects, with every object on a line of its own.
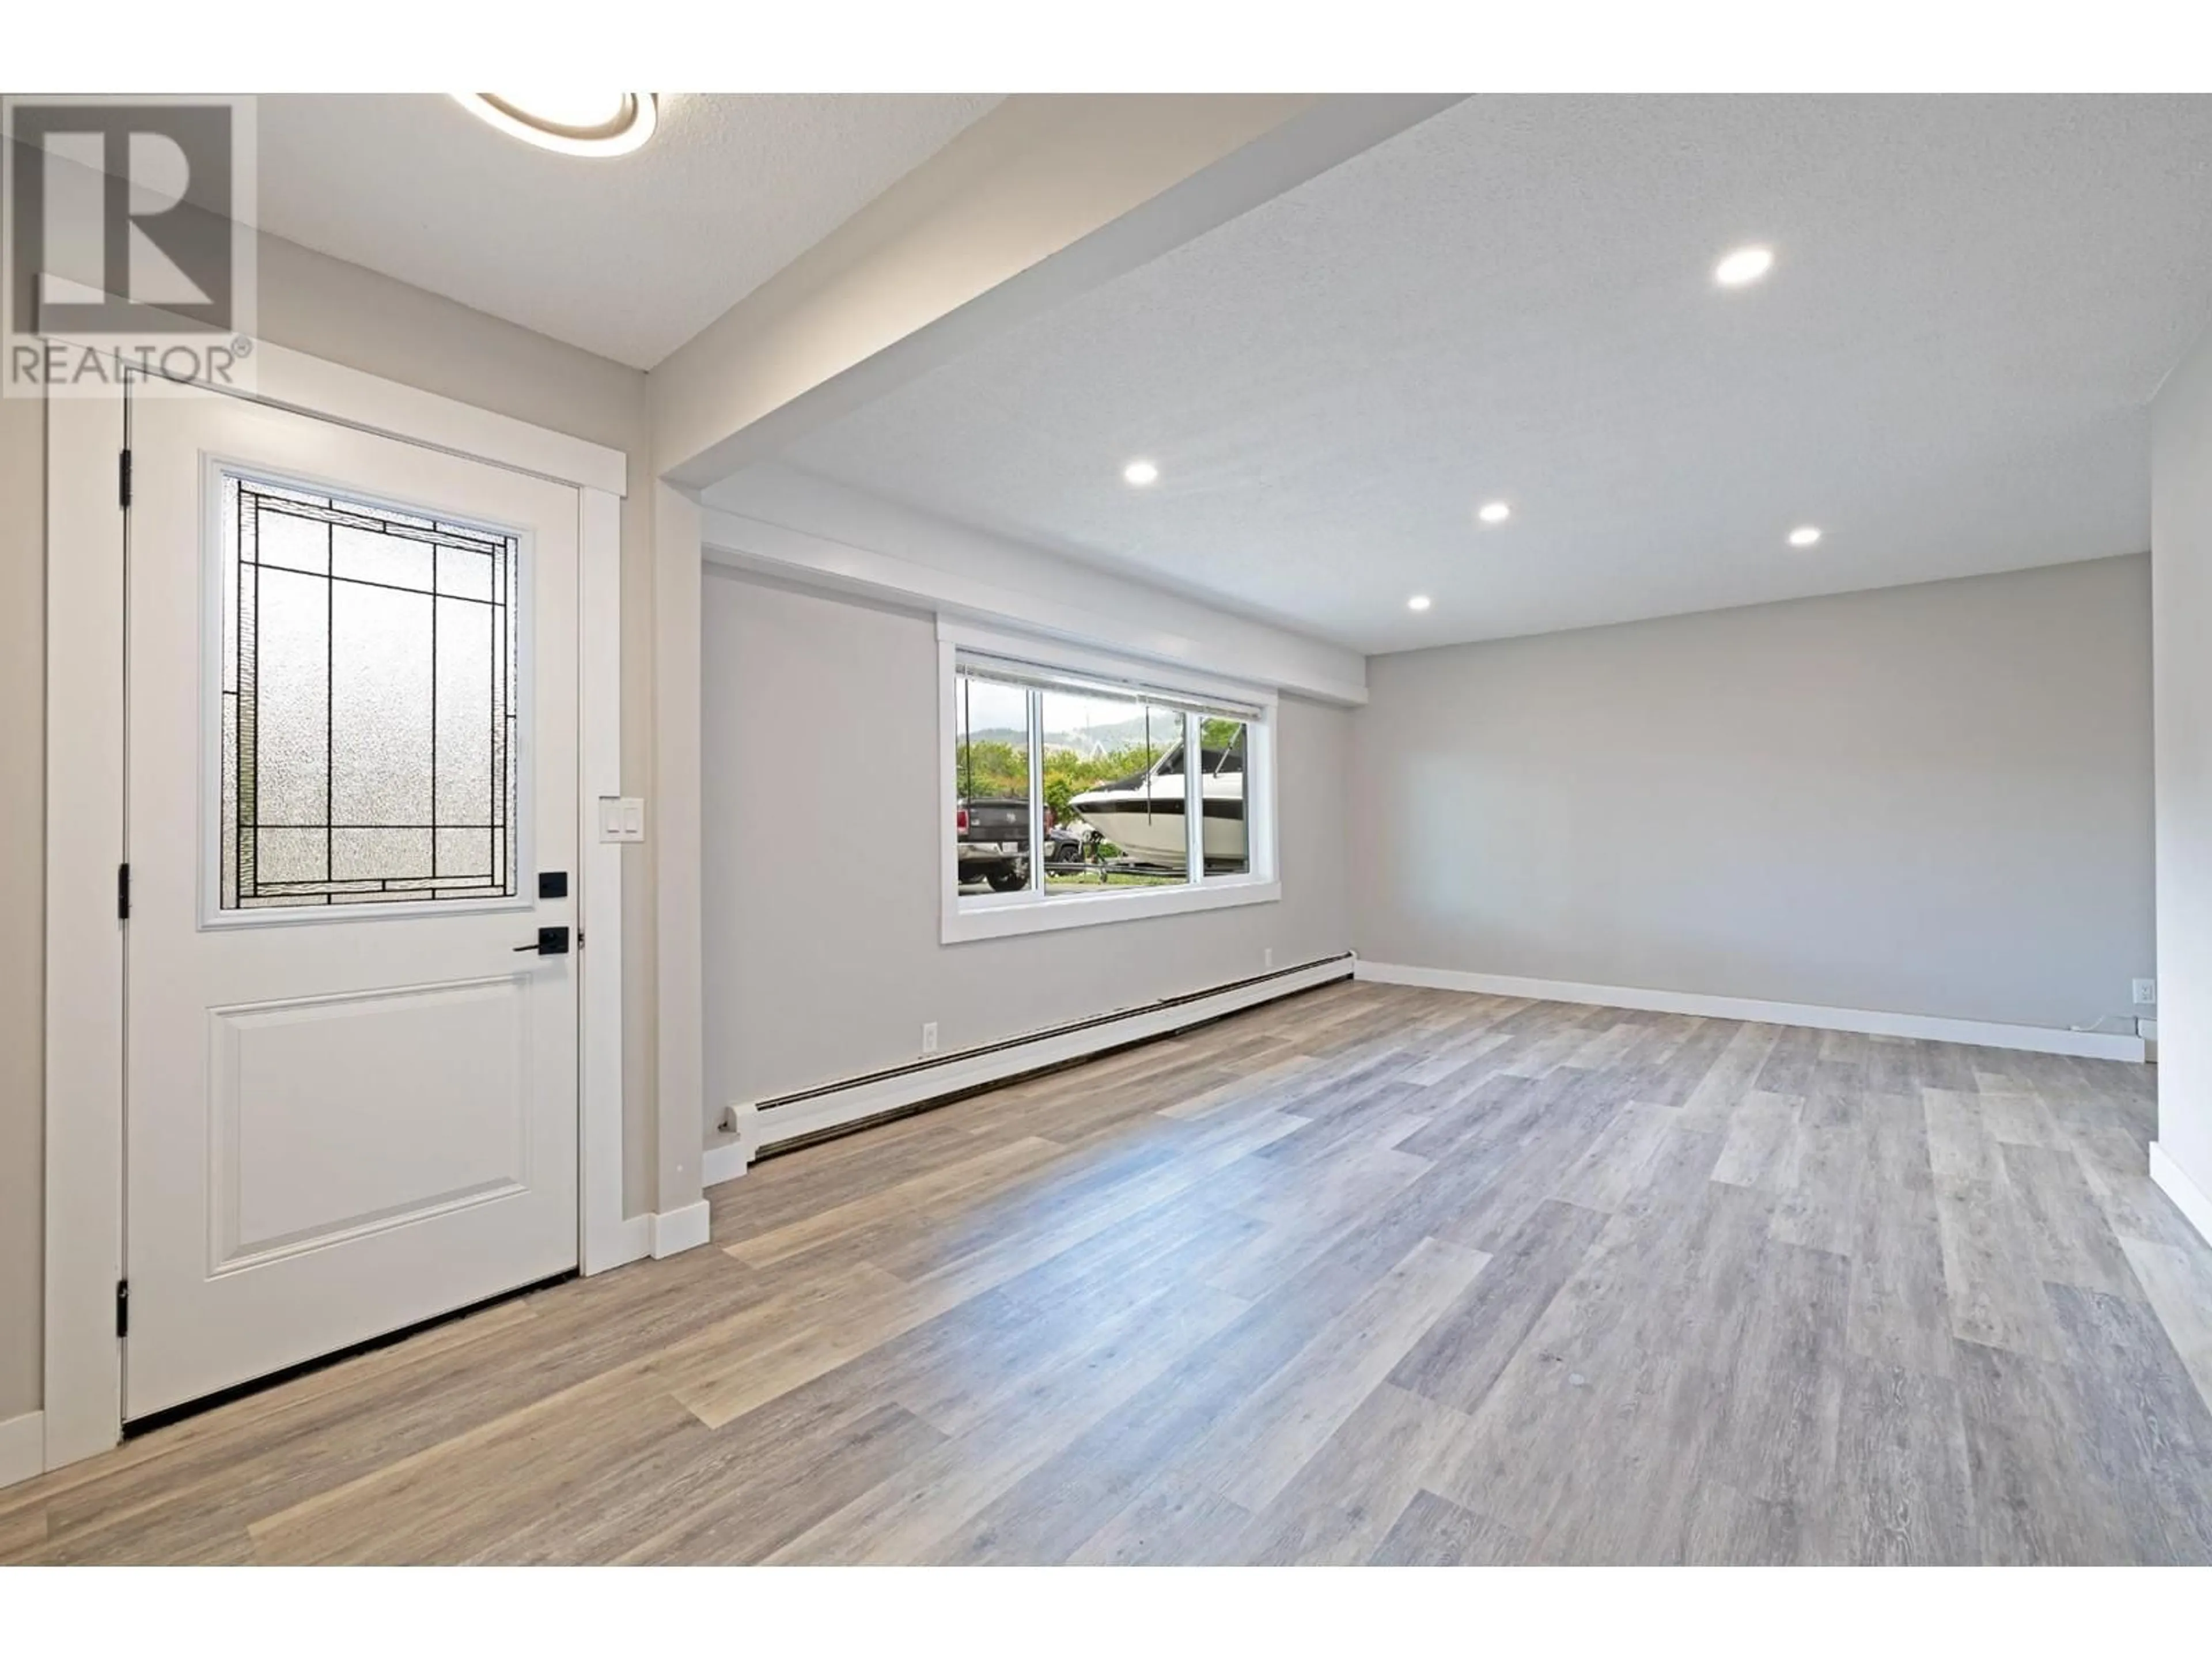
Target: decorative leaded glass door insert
[{"x": 369, "y": 708}]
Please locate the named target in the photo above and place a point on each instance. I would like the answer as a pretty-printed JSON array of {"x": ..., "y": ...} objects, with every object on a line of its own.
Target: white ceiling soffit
[
  {"x": 798, "y": 527},
  {"x": 628, "y": 257},
  {"x": 1971, "y": 302}
]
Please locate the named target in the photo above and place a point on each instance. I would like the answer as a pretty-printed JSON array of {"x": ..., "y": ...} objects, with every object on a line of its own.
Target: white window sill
[{"x": 1002, "y": 918}]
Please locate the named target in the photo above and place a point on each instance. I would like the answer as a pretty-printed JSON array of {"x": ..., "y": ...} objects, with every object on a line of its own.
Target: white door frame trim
[{"x": 85, "y": 779}]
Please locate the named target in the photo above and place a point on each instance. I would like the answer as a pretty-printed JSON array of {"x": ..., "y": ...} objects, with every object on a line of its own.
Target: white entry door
[{"x": 351, "y": 825}]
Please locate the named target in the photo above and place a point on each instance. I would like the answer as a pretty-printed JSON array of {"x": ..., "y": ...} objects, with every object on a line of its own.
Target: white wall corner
[
  {"x": 674, "y": 848},
  {"x": 23, "y": 1448},
  {"x": 676, "y": 1230},
  {"x": 607, "y": 1239},
  {"x": 2191, "y": 1199}
]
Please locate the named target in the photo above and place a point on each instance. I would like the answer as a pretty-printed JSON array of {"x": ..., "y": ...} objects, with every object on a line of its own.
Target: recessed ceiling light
[
  {"x": 1141, "y": 472},
  {"x": 1746, "y": 264},
  {"x": 574, "y": 122},
  {"x": 1805, "y": 535},
  {"x": 1418, "y": 601},
  {"x": 1494, "y": 513}
]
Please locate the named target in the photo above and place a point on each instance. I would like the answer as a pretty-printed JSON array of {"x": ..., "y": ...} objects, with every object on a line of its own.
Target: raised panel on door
[{"x": 334, "y": 1116}]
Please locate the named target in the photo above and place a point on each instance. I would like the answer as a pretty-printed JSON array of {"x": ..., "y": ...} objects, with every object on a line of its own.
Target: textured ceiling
[
  {"x": 629, "y": 257},
  {"x": 1971, "y": 303}
]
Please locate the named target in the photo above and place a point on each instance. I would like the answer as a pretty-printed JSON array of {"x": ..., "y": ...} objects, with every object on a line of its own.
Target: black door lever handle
[{"x": 551, "y": 942}]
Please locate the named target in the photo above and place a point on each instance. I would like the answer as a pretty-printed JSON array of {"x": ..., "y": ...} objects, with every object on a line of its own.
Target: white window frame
[{"x": 1000, "y": 915}]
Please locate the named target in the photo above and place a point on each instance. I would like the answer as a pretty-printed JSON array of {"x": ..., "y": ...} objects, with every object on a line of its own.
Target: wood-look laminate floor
[{"x": 1372, "y": 1274}]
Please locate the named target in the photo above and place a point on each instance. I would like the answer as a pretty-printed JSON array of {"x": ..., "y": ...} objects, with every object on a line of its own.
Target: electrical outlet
[
  {"x": 1267, "y": 956},
  {"x": 929, "y": 1038},
  {"x": 2146, "y": 994}
]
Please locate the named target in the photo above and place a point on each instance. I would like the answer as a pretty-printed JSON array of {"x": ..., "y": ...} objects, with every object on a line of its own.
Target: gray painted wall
[
  {"x": 1932, "y": 801},
  {"x": 2181, "y": 557},
  {"x": 822, "y": 957},
  {"x": 351, "y": 316}
]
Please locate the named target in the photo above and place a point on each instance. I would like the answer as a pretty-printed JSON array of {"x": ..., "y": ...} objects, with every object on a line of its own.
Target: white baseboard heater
[{"x": 784, "y": 1122}]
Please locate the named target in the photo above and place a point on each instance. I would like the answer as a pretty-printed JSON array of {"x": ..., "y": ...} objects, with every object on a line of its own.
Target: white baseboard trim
[
  {"x": 724, "y": 1163},
  {"x": 2191, "y": 1199},
  {"x": 1983, "y": 1034},
  {"x": 675, "y": 1231},
  {"x": 731, "y": 1158},
  {"x": 23, "y": 1448},
  {"x": 650, "y": 1235},
  {"x": 726, "y": 1159}
]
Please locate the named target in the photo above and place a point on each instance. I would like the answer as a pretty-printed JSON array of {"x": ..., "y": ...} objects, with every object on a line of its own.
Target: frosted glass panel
[
  {"x": 464, "y": 692},
  {"x": 285, "y": 856},
  {"x": 369, "y": 720},
  {"x": 382, "y": 719},
  {"x": 378, "y": 855},
  {"x": 291, "y": 698},
  {"x": 463, "y": 573},
  {"x": 368, "y": 556},
  {"x": 464, "y": 852},
  {"x": 294, "y": 543}
]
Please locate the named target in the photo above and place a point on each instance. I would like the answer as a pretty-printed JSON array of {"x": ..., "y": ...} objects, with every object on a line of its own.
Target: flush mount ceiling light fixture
[
  {"x": 1744, "y": 266},
  {"x": 573, "y": 123},
  {"x": 1418, "y": 601},
  {"x": 1805, "y": 535},
  {"x": 1494, "y": 513},
  {"x": 1140, "y": 473}
]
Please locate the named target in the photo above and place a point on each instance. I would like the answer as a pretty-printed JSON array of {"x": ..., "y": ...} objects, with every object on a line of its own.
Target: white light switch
[{"x": 621, "y": 817}]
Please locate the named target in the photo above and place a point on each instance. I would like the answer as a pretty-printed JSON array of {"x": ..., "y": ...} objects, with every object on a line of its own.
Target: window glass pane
[
  {"x": 289, "y": 542},
  {"x": 286, "y": 696},
  {"x": 1114, "y": 792},
  {"x": 464, "y": 572},
  {"x": 382, "y": 712},
  {"x": 991, "y": 780},
  {"x": 1223, "y": 744},
  {"x": 375, "y": 556},
  {"x": 369, "y": 720},
  {"x": 282, "y": 857},
  {"x": 466, "y": 641}
]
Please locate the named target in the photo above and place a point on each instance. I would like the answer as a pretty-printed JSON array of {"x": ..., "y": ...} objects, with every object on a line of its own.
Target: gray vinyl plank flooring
[
  {"x": 1434, "y": 1532},
  {"x": 1369, "y": 1275}
]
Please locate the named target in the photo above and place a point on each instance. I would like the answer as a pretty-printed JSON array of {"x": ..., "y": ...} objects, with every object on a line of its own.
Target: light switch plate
[{"x": 621, "y": 817}]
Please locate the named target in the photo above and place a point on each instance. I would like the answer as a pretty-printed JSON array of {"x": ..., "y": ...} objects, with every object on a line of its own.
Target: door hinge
[
  {"x": 122, "y": 1307},
  {"x": 123, "y": 477},
  {"x": 123, "y": 892}
]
